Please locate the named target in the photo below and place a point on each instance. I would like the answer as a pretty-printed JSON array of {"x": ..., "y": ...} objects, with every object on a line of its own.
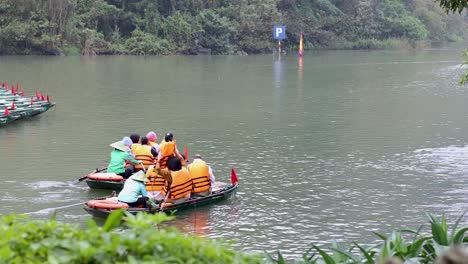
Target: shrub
[{"x": 141, "y": 241}]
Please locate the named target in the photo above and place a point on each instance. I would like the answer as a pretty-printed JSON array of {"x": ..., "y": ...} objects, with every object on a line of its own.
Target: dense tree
[{"x": 225, "y": 27}]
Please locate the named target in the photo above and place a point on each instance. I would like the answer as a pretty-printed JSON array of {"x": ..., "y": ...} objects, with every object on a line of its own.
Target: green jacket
[{"x": 117, "y": 161}]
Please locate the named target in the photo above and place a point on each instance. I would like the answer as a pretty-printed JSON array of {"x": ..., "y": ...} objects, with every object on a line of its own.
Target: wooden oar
[
  {"x": 164, "y": 202},
  {"x": 86, "y": 176},
  {"x": 47, "y": 210}
]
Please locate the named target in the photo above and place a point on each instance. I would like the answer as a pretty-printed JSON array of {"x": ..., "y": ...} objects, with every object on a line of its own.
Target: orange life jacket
[
  {"x": 181, "y": 184},
  {"x": 166, "y": 150},
  {"x": 156, "y": 182},
  {"x": 143, "y": 154},
  {"x": 134, "y": 147},
  {"x": 200, "y": 175}
]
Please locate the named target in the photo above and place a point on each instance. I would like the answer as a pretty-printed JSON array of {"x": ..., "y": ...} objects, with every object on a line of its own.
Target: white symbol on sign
[{"x": 278, "y": 32}]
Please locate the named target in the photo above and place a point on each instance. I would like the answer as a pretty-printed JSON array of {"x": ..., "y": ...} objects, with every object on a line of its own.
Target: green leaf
[
  {"x": 383, "y": 237},
  {"x": 325, "y": 256},
  {"x": 458, "y": 238},
  {"x": 114, "y": 220},
  {"x": 439, "y": 232},
  {"x": 369, "y": 258}
]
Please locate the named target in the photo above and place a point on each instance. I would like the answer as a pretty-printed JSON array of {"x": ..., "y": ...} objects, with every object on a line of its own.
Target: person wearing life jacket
[
  {"x": 155, "y": 181},
  {"x": 136, "y": 141},
  {"x": 118, "y": 157},
  {"x": 167, "y": 149},
  {"x": 178, "y": 182},
  {"x": 134, "y": 192},
  {"x": 152, "y": 137},
  {"x": 202, "y": 177},
  {"x": 144, "y": 153}
]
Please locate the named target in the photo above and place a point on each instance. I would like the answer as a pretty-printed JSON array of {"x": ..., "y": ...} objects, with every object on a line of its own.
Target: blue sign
[{"x": 279, "y": 32}]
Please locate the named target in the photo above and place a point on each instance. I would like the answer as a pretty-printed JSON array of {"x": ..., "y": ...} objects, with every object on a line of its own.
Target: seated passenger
[
  {"x": 152, "y": 137},
  {"x": 167, "y": 150},
  {"x": 128, "y": 142},
  {"x": 145, "y": 154},
  {"x": 136, "y": 141},
  {"x": 134, "y": 192},
  {"x": 178, "y": 181},
  {"x": 202, "y": 177},
  {"x": 118, "y": 157}
]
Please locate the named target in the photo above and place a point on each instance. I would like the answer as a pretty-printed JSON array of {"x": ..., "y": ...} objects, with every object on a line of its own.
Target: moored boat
[{"x": 103, "y": 207}]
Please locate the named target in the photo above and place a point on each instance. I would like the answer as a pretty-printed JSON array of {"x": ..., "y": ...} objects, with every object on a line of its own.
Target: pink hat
[{"x": 152, "y": 136}]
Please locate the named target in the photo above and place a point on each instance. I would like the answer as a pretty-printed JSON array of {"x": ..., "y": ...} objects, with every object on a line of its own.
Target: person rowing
[
  {"x": 118, "y": 156},
  {"x": 134, "y": 192}
]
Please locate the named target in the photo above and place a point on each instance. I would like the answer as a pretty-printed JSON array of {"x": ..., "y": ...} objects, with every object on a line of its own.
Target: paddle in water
[{"x": 86, "y": 176}]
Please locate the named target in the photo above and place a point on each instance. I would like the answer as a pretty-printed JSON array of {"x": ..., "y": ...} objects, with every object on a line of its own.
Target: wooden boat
[
  {"x": 217, "y": 196},
  {"x": 221, "y": 191},
  {"x": 100, "y": 179},
  {"x": 23, "y": 107}
]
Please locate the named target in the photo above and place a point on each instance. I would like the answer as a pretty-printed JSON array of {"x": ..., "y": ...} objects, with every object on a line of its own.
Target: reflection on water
[{"x": 327, "y": 148}]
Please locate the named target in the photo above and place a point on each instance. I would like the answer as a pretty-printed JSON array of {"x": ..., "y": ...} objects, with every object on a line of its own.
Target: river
[{"x": 327, "y": 149}]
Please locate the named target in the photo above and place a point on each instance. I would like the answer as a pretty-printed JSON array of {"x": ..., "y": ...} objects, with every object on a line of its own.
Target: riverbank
[{"x": 141, "y": 27}]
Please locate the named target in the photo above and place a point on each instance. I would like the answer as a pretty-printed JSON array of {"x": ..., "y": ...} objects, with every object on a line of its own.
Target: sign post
[{"x": 279, "y": 33}]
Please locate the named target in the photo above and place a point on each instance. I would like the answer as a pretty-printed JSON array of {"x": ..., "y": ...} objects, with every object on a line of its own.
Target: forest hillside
[{"x": 146, "y": 27}]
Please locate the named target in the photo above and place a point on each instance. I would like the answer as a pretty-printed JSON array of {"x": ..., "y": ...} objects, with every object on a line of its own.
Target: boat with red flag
[{"x": 221, "y": 191}]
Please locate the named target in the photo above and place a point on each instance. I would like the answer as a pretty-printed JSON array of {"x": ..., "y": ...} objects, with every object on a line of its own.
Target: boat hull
[
  {"x": 216, "y": 197},
  {"x": 108, "y": 185}
]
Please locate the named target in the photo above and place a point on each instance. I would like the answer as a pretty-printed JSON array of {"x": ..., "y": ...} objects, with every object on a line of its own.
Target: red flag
[
  {"x": 6, "y": 87},
  {"x": 22, "y": 93},
  {"x": 3, "y": 85},
  {"x": 6, "y": 111},
  {"x": 42, "y": 97},
  {"x": 13, "y": 107},
  {"x": 48, "y": 99},
  {"x": 186, "y": 153},
  {"x": 233, "y": 177},
  {"x": 13, "y": 91},
  {"x": 17, "y": 87},
  {"x": 37, "y": 94},
  {"x": 32, "y": 100}
]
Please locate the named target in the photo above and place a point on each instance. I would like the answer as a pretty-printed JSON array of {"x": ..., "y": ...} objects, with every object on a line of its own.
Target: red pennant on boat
[
  {"x": 13, "y": 107},
  {"x": 37, "y": 94},
  {"x": 6, "y": 87},
  {"x": 22, "y": 93},
  {"x": 233, "y": 177},
  {"x": 17, "y": 87},
  {"x": 42, "y": 97},
  {"x": 186, "y": 153},
  {"x": 3, "y": 85},
  {"x": 32, "y": 100},
  {"x": 6, "y": 111},
  {"x": 48, "y": 99}
]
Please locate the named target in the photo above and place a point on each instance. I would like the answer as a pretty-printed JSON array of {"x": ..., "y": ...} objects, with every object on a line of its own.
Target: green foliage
[
  {"x": 464, "y": 77},
  {"x": 454, "y": 5},
  {"x": 404, "y": 246},
  {"x": 146, "y": 44},
  {"x": 225, "y": 27},
  {"x": 141, "y": 241}
]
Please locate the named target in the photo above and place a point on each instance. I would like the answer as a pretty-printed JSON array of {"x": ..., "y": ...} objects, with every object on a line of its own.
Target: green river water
[{"x": 327, "y": 149}]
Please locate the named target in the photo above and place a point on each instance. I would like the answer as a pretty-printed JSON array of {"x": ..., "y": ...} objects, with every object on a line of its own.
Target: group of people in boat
[{"x": 161, "y": 168}]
